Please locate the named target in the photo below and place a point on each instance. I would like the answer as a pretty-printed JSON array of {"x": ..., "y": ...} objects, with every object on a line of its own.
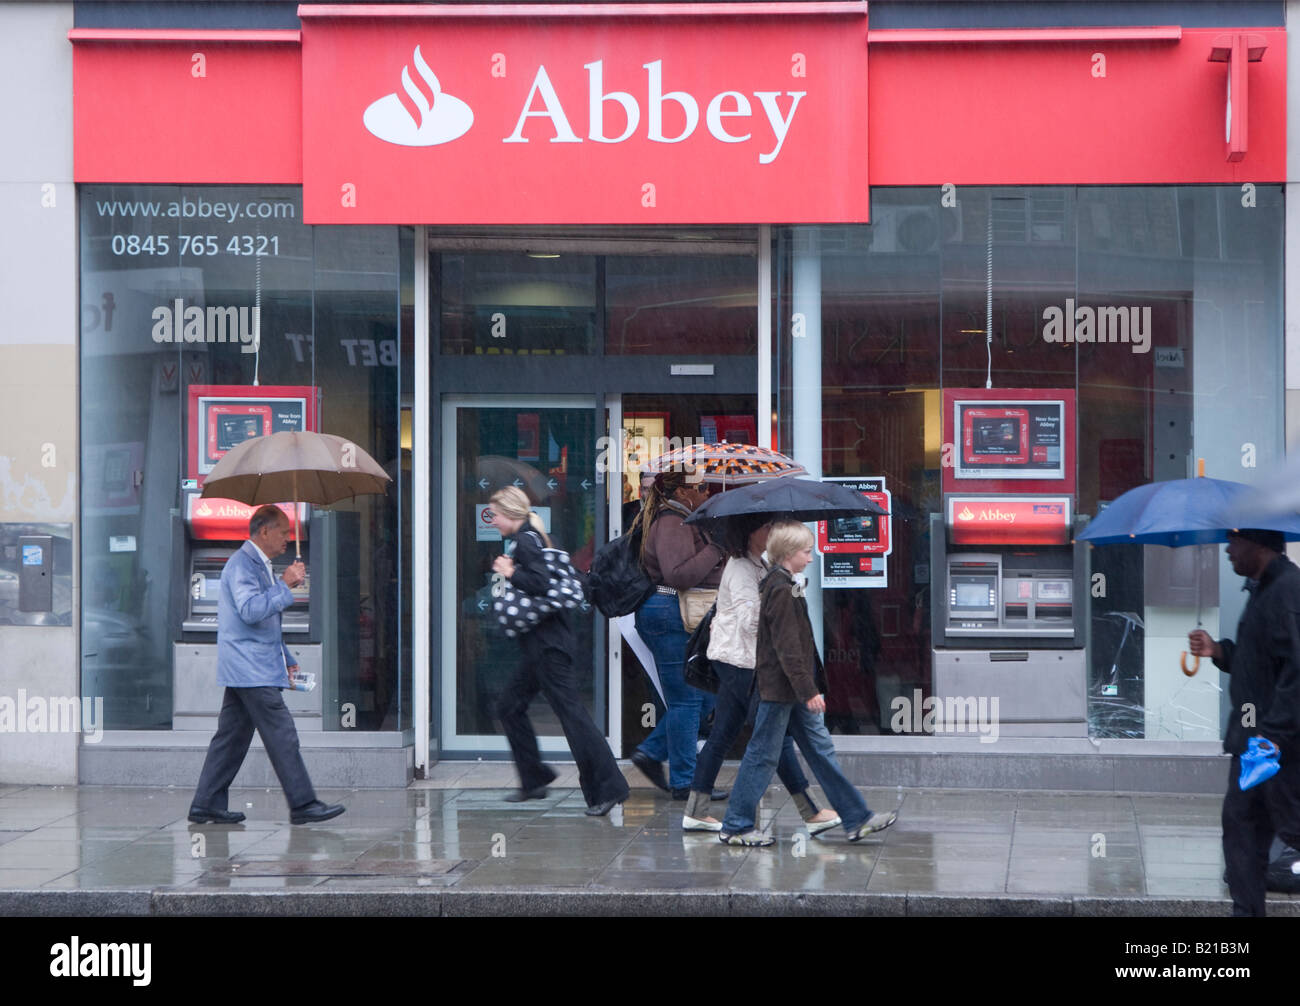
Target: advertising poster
[
  {"x": 222, "y": 416},
  {"x": 855, "y": 550},
  {"x": 1009, "y": 440}
]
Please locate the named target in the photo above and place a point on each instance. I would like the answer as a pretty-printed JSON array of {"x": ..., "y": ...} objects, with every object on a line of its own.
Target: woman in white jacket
[{"x": 731, "y": 651}]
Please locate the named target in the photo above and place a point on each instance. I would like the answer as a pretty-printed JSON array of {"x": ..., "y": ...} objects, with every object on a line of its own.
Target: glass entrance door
[
  {"x": 652, "y": 425},
  {"x": 547, "y": 446}
]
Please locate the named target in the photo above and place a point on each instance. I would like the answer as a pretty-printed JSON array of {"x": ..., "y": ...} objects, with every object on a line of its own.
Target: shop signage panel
[
  {"x": 706, "y": 116},
  {"x": 190, "y": 110},
  {"x": 1009, "y": 520},
  {"x": 1030, "y": 109},
  {"x": 855, "y": 551},
  {"x": 217, "y": 519}
]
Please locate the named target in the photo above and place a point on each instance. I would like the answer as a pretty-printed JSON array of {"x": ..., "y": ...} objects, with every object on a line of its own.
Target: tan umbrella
[{"x": 317, "y": 468}]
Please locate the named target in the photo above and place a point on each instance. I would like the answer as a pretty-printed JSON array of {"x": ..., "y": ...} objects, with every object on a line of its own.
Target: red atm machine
[{"x": 1009, "y": 607}]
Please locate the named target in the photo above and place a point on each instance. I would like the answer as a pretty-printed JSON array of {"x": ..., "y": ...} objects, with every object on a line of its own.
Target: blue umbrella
[{"x": 1179, "y": 512}]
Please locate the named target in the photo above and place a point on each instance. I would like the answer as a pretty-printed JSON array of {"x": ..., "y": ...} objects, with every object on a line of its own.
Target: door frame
[{"x": 448, "y": 616}]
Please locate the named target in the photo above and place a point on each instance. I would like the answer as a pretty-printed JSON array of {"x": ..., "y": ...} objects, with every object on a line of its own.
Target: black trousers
[
  {"x": 548, "y": 669},
  {"x": 242, "y": 711},
  {"x": 1250, "y": 821}
]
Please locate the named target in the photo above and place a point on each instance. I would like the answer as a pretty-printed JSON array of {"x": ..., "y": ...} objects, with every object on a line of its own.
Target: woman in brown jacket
[
  {"x": 676, "y": 558},
  {"x": 790, "y": 686}
]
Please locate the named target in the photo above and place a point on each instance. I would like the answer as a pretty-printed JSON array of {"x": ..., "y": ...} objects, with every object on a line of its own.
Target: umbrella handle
[{"x": 1182, "y": 662}]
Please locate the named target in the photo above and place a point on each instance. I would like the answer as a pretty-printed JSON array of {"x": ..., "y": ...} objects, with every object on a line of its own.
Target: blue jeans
[
  {"x": 809, "y": 732},
  {"x": 728, "y": 719},
  {"x": 677, "y": 732}
]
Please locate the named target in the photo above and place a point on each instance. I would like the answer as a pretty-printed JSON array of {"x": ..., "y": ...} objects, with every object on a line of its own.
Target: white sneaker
[
  {"x": 876, "y": 822},
  {"x": 696, "y": 824},
  {"x": 817, "y": 827}
]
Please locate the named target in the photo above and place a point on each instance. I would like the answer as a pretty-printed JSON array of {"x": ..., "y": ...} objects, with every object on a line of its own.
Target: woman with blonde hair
[
  {"x": 547, "y": 667},
  {"x": 790, "y": 686},
  {"x": 731, "y": 652}
]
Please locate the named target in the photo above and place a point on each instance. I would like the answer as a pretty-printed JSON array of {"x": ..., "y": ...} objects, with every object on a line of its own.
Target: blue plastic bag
[{"x": 1259, "y": 763}]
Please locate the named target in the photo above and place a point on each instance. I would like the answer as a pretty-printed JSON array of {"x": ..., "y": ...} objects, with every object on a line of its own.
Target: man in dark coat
[{"x": 1264, "y": 662}]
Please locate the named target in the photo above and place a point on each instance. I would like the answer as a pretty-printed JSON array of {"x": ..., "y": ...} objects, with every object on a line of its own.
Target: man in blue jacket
[{"x": 254, "y": 665}]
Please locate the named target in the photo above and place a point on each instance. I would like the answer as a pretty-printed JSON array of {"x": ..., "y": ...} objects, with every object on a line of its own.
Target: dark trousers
[
  {"x": 242, "y": 711},
  {"x": 549, "y": 670},
  {"x": 1250, "y": 821}
]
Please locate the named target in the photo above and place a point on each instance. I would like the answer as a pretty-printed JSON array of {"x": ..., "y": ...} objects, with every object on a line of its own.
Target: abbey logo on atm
[
  {"x": 996, "y": 513},
  {"x": 990, "y": 514},
  {"x": 422, "y": 114}
]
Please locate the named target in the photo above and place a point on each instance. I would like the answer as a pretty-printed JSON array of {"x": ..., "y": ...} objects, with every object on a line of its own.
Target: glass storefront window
[
  {"x": 1159, "y": 308},
  {"x": 661, "y": 305},
  {"x": 517, "y": 304},
  {"x": 694, "y": 301},
  {"x": 214, "y": 306}
]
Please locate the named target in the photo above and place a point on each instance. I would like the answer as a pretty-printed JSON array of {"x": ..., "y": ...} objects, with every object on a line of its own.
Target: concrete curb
[{"x": 508, "y": 901}]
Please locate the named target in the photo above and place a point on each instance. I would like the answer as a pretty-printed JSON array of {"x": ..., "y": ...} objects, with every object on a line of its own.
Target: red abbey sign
[
  {"x": 1009, "y": 520},
  {"x": 644, "y": 114}
]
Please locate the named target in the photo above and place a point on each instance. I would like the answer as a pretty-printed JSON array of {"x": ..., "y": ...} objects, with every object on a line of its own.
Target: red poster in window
[
  {"x": 636, "y": 114},
  {"x": 740, "y": 429},
  {"x": 1018, "y": 440},
  {"x": 221, "y": 416},
  {"x": 528, "y": 439}
]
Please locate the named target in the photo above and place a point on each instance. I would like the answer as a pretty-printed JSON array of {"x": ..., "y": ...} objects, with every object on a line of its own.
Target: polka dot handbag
[{"x": 518, "y": 612}]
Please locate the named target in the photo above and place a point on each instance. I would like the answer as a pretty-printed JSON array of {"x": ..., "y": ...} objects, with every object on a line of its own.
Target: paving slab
[{"x": 452, "y": 845}]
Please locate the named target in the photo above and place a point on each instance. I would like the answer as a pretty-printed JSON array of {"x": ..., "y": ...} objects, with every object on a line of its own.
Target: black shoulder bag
[{"x": 698, "y": 669}]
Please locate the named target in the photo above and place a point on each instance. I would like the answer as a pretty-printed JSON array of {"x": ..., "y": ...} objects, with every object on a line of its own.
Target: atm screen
[
  {"x": 1054, "y": 590},
  {"x": 205, "y": 589},
  {"x": 972, "y": 595}
]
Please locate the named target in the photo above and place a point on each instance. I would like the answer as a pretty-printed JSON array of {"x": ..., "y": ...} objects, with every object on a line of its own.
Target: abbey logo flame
[{"x": 421, "y": 114}]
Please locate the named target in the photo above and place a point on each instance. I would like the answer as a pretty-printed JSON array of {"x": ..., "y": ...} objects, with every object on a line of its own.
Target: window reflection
[
  {"x": 199, "y": 286},
  {"x": 1175, "y": 294}
]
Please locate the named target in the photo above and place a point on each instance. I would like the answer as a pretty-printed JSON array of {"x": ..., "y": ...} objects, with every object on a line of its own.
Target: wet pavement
[{"x": 451, "y": 845}]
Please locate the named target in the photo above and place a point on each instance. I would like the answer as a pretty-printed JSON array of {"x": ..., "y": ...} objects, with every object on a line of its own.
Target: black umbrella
[{"x": 788, "y": 497}]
